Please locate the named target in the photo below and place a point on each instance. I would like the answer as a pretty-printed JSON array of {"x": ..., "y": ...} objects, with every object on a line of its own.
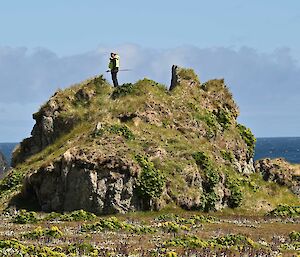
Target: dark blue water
[{"x": 286, "y": 147}]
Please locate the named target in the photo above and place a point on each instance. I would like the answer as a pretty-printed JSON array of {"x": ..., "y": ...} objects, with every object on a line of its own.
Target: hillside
[
  {"x": 140, "y": 147},
  {"x": 123, "y": 151}
]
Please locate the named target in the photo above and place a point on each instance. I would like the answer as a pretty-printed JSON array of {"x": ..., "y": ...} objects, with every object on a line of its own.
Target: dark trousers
[{"x": 114, "y": 77}]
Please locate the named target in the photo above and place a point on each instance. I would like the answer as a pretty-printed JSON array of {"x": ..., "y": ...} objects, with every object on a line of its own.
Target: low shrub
[
  {"x": 39, "y": 232},
  {"x": 188, "y": 74},
  {"x": 82, "y": 249},
  {"x": 224, "y": 118},
  {"x": 285, "y": 211},
  {"x": 123, "y": 90},
  {"x": 210, "y": 180},
  {"x": 15, "y": 248},
  {"x": 195, "y": 219},
  {"x": 223, "y": 241},
  {"x": 227, "y": 155},
  {"x": 79, "y": 215},
  {"x": 173, "y": 227},
  {"x": 248, "y": 137},
  {"x": 10, "y": 181},
  {"x": 121, "y": 130},
  {"x": 232, "y": 240},
  {"x": 295, "y": 236},
  {"x": 113, "y": 224},
  {"x": 209, "y": 200},
  {"x": 24, "y": 217},
  {"x": 236, "y": 195},
  {"x": 211, "y": 121},
  {"x": 187, "y": 241},
  {"x": 151, "y": 181}
]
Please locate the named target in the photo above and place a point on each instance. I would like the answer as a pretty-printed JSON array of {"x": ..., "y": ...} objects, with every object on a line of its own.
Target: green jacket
[{"x": 114, "y": 62}]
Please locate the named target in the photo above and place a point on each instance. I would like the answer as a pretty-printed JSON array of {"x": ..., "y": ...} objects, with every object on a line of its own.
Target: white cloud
[{"x": 265, "y": 85}]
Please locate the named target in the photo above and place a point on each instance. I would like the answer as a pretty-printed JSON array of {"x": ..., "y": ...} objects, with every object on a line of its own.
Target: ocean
[
  {"x": 275, "y": 147},
  {"x": 285, "y": 147}
]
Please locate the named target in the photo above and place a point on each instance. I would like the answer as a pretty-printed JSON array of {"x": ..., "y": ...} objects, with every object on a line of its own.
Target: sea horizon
[{"x": 287, "y": 148}]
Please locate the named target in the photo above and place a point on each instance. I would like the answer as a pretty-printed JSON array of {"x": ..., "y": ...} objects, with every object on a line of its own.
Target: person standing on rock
[{"x": 114, "y": 64}]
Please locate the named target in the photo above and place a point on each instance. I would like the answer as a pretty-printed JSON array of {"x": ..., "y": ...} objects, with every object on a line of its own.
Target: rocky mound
[{"x": 139, "y": 147}]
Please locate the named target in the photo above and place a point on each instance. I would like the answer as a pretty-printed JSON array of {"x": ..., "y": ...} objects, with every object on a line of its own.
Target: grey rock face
[
  {"x": 3, "y": 163},
  {"x": 245, "y": 167},
  {"x": 50, "y": 124},
  {"x": 97, "y": 183}
]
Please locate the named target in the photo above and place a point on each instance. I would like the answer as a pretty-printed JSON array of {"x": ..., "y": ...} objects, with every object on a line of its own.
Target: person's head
[{"x": 112, "y": 55}]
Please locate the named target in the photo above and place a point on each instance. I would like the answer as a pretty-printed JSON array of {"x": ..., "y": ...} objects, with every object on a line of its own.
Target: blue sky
[
  {"x": 69, "y": 27},
  {"x": 254, "y": 45}
]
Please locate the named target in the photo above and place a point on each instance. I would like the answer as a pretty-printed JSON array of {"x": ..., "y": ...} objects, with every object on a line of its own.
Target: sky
[{"x": 253, "y": 45}]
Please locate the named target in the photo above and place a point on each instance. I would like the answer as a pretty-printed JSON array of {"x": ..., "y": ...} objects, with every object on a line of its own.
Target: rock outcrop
[
  {"x": 86, "y": 180},
  {"x": 136, "y": 147},
  {"x": 54, "y": 119},
  {"x": 3, "y": 164},
  {"x": 281, "y": 172}
]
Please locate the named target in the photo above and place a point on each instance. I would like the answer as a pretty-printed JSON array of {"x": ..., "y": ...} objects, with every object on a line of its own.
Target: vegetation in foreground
[{"x": 171, "y": 232}]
